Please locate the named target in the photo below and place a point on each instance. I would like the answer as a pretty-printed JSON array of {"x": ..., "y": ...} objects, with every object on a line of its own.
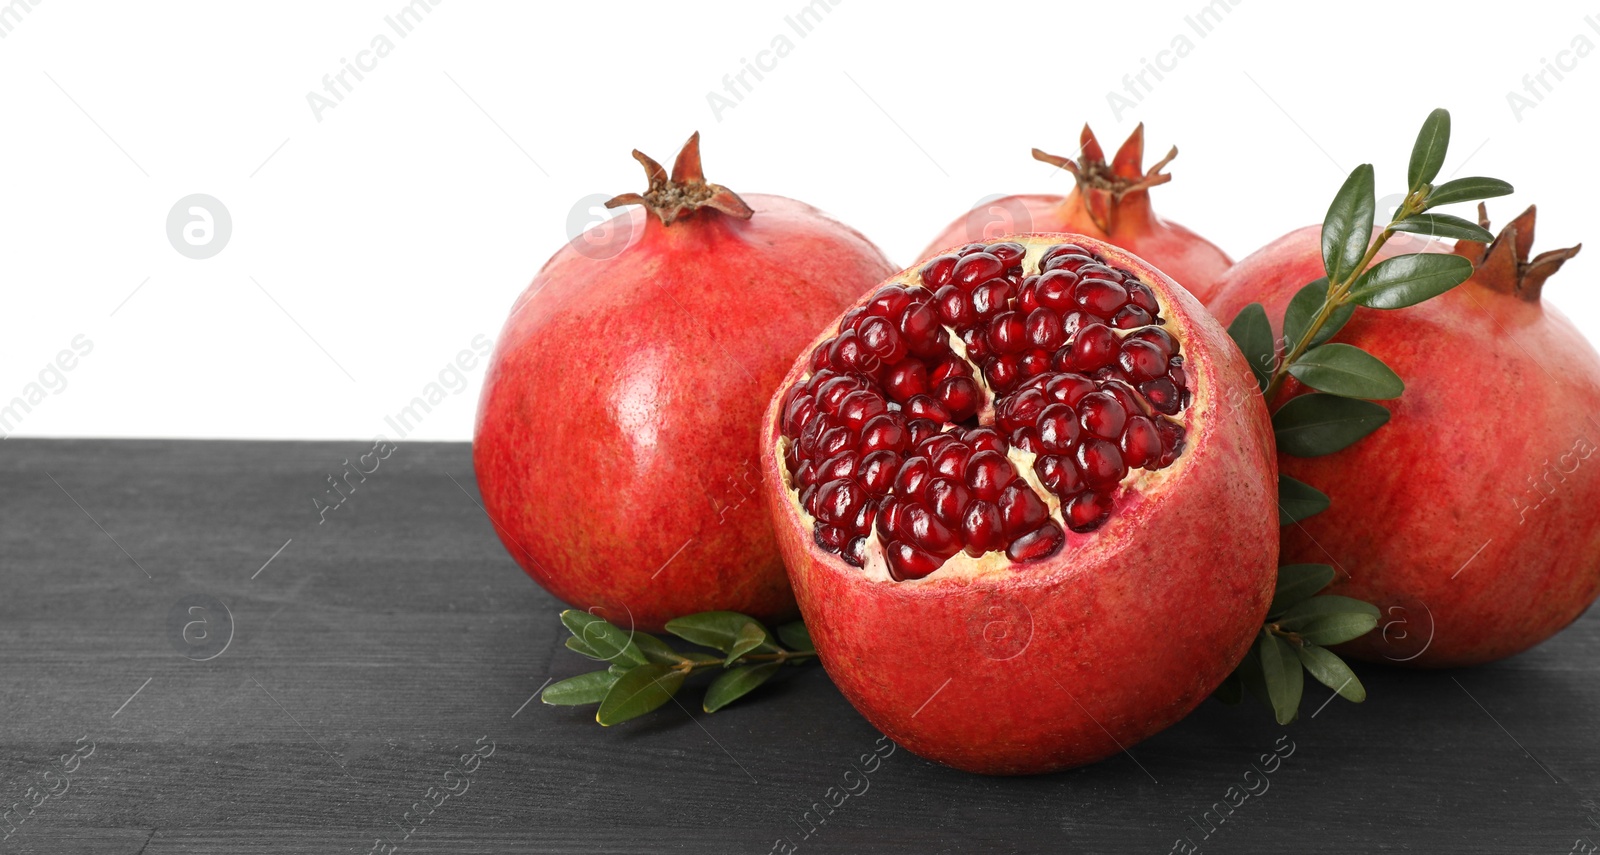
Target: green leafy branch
[
  {"x": 1341, "y": 409},
  {"x": 645, "y": 672}
]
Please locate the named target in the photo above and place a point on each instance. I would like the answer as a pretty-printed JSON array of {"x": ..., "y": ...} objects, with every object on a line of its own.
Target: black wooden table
[{"x": 194, "y": 658}]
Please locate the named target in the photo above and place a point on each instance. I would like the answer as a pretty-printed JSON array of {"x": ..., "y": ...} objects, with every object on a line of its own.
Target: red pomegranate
[
  {"x": 1111, "y": 203},
  {"x": 616, "y": 444},
  {"x": 1026, "y": 496},
  {"x": 1469, "y": 519}
]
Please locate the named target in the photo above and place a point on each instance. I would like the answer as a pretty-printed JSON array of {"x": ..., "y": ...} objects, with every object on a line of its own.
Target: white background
[{"x": 371, "y": 246}]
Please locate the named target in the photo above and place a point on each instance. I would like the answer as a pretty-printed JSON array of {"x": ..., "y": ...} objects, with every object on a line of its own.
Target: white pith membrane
[{"x": 1137, "y": 481}]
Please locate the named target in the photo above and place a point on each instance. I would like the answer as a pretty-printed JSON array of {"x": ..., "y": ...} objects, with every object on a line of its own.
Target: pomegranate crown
[
  {"x": 685, "y": 191},
  {"x": 1505, "y": 266},
  {"x": 1102, "y": 185}
]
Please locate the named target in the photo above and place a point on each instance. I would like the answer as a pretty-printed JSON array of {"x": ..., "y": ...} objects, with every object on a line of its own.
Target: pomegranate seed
[
  {"x": 1068, "y": 388},
  {"x": 950, "y": 366},
  {"x": 888, "y": 518},
  {"x": 991, "y": 298},
  {"x": 795, "y": 416},
  {"x": 908, "y": 562},
  {"x": 931, "y": 446},
  {"x": 834, "y": 440},
  {"x": 1034, "y": 363},
  {"x": 879, "y": 336},
  {"x": 1044, "y": 329},
  {"x": 810, "y": 436},
  {"x": 1172, "y": 441},
  {"x": 905, "y": 380},
  {"x": 876, "y": 471},
  {"x": 839, "y": 500},
  {"x": 1162, "y": 340},
  {"x": 1130, "y": 317},
  {"x": 982, "y": 528},
  {"x": 1042, "y": 542},
  {"x": 984, "y": 439},
  {"x": 849, "y": 353},
  {"x": 808, "y": 499},
  {"x": 951, "y": 460},
  {"x": 1054, "y": 290},
  {"x": 921, "y": 429},
  {"x": 1102, "y": 415},
  {"x": 1095, "y": 346},
  {"x": 1141, "y": 295},
  {"x": 1162, "y": 395},
  {"x": 1058, "y": 475},
  {"x": 1100, "y": 297},
  {"x": 832, "y": 393},
  {"x": 919, "y": 527},
  {"x": 1142, "y": 361},
  {"x": 1026, "y": 407},
  {"x": 1176, "y": 374},
  {"x": 1098, "y": 270},
  {"x": 1008, "y": 252},
  {"x": 1069, "y": 260},
  {"x": 975, "y": 268},
  {"x": 858, "y": 408},
  {"x": 960, "y": 396},
  {"x": 1101, "y": 464},
  {"x": 832, "y": 538},
  {"x": 852, "y": 319},
  {"x": 1027, "y": 295},
  {"x": 1008, "y": 333},
  {"x": 955, "y": 308},
  {"x": 855, "y": 552},
  {"x": 948, "y": 499},
  {"x": 924, "y": 407},
  {"x": 806, "y": 474},
  {"x": 890, "y": 302},
  {"x": 937, "y": 271},
  {"x": 843, "y": 464},
  {"x": 1003, "y": 373},
  {"x": 988, "y": 473},
  {"x": 862, "y": 524},
  {"x": 1087, "y": 511},
  {"x": 976, "y": 341},
  {"x": 1026, "y": 439},
  {"x": 1021, "y": 509},
  {"x": 819, "y": 357},
  {"x": 911, "y": 482},
  {"x": 1075, "y": 320},
  {"x": 1141, "y": 442},
  {"x": 920, "y": 330},
  {"x": 968, "y": 249},
  {"x": 1058, "y": 428},
  {"x": 884, "y": 432}
]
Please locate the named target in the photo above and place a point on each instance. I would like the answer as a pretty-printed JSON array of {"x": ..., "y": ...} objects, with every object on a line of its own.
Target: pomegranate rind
[
  {"x": 1068, "y": 660},
  {"x": 1469, "y": 518}
]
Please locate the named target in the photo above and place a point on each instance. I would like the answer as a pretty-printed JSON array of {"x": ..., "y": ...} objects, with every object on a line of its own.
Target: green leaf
[
  {"x": 797, "y": 637},
  {"x": 1442, "y": 226},
  {"x": 1307, "y": 612},
  {"x": 1285, "y": 680},
  {"x": 1297, "y": 582},
  {"x": 576, "y": 645},
  {"x": 1303, "y": 309},
  {"x": 590, "y": 688},
  {"x": 618, "y": 670},
  {"x": 736, "y": 683},
  {"x": 639, "y": 691},
  {"x": 1298, "y": 500},
  {"x": 1232, "y": 689},
  {"x": 1337, "y": 629},
  {"x": 607, "y": 641},
  {"x": 656, "y": 650},
  {"x": 1347, "y": 371},
  {"x": 1252, "y": 332},
  {"x": 1318, "y": 424},
  {"x": 699, "y": 658},
  {"x": 719, "y": 630},
  {"x": 1467, "y": 190},
  {"x": 1407, "y": 280},
  {"x": 751, "y": 636},
  {"x": 1347, "y": 230},
  {"x": 1428, "y": 153},
  {"x": 1330, "y": 671}
]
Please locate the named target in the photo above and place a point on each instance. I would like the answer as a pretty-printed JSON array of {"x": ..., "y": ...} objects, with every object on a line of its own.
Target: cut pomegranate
[{"x": 1075, "y": 445}]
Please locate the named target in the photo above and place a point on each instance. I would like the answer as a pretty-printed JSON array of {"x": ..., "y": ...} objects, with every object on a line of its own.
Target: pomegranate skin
[
  {"x": 1068, "y": 660},
  {"x": 616, "y": 440},
  {"x": 1096, "y": 208},
  {"x": 1470, "y": 525}
]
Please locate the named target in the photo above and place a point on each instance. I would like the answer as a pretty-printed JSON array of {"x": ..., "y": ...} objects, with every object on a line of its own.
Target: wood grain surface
[{"x": 376, "y": 685}]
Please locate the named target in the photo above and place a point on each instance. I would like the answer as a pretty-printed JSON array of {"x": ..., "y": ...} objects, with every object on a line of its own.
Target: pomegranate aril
[
  {"x": 833, "y": 392},
  {"x": 888, "y": 519},
  {"x": 876, "y": 471},
  {"x": 1003, "y": 373},
  {"x": 1034, "y": 363},
  {"x": 839, "y": 500},
  {"x": 948, "y": 499},
  {"x": 970, "y": 248},
  {"x": 1027, "y": 295},
  {"x": 1042, "y": 542},
  {"x": 918, "y": 526},
  {"x": 834, "y": 440},
  {"x": 911, "y": 482},
  {"x": 1100, "y": 463},
  {"x": 1054, "y": 290},
  {"x": 819, "y": 357},
  {"x": 1101, "y": 297},
  {"x": 805, "y": 474},
  {"x": 1095, "y": 346},
  {"x": 859, "y": 407},
  {"x": 1058, "y": 428},
  {"x": 982, "y": 528},
  {"x": 879, "y": 336},
  {"x": 931, "y": 446},
  {"x": 1102, "y": 415},
  {"x": 991, "y": 298},
  {"x": 1044, "y": 329},
  {"x": 855, "y": 552},
  {"x": 1025, "y": 438},
  {"x": 1086, "y": 511},
  {"x": 808, "y": 499},
  {"x": 988, "y": 473},
  {"x": 975, "y": 340},
  {"x": 906, "y": 379},
  {"x": 920, "y": 330},
  {"x": 844, "y": 464},
  {"x": 1142, "y": 361},
  {"x": 984, "y": 439},
  {"x": 1141, "y": 442},
  {"x": 951, "y": 460},
  {"x": 889, "y": 302},
  {"x": 795, "y": 416},
  {"x": 1008, "y": 252},
  {"x": 1172, "y": 441},
  {"x": 1026, "y": 407},
  {"x": 937, "y": 271},
  {"x": 1068, "y": 388},
  {"x": 1008, "y": 333},
  {"x": 884, "y": 432},
  {"x": 950, "y": 366},
  {"x": 832, "y": 538},
  {"x": 1177, "y": 375},
  {"x": 908, "y": 562},
  {"x": 1163, "y": 396},
  {"x": 862, "y": 524},
  {"x": 1139, "y": 294},
  {"x": 1158, "y": 337},
  {"x": 921, "y": 429},
  {"x": 1058, "y": 474},
  {"x": 1130, "y": 317},
  {"x": 960, "y": 396},
  {"x": 954, "y": 307},
  {"x": 975, "y": 268},
  {"x": 852, "y": 319},
  {"x": 1021, "y": 509},
  {"x": 924, "y": 407}
]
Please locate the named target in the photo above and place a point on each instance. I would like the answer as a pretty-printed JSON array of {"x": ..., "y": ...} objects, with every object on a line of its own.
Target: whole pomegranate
[
  {"x": 1025, "y": 527},
  {"x": 1469, "y": 519},
  {"x": 617, "y": 433},
  {"x": 1111, "y": 202}
]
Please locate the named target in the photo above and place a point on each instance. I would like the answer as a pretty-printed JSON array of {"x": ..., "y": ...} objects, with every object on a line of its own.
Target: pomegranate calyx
[
  {"x": 685, "y": 191},
  {"x": 1505, "y": 266},
  {"x": 1103, "y": 185}
]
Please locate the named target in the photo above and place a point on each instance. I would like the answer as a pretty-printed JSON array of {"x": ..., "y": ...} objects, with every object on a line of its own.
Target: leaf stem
[{"x": 690, "y": 666}]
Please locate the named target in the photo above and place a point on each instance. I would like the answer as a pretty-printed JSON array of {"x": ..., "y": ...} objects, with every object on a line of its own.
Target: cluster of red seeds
[{"x": 885, "y": 433}]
